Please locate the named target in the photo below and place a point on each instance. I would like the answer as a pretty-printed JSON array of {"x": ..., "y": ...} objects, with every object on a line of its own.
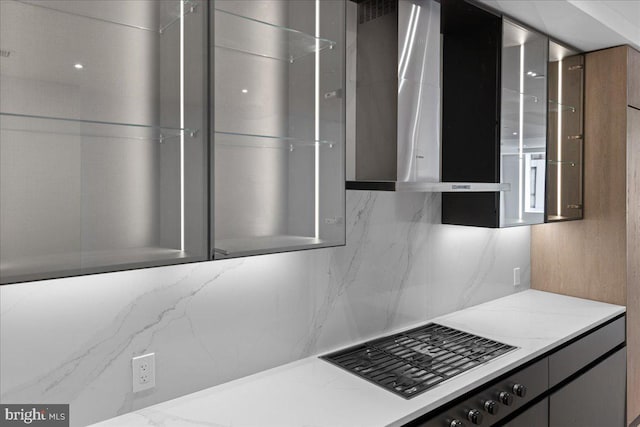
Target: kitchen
[{"x": 72, "y": 340}]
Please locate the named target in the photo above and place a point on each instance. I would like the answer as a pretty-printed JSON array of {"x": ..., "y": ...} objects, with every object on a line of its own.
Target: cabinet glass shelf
[
  {"x": 554, "y": 107},
  {"x": 239, "y": 246},
  {"x": 251, "y": 36},
  {"x": 173, "y": 11},
  {"x": 267, "y": 141},
  {"x": 563, "y": 162},
  {"x": 563, "y": 217},
  {"x": 514, "y": 96},
  {"x": 11, "y": 122}
]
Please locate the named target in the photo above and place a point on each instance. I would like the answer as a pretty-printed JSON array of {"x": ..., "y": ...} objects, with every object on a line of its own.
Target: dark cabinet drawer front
[
  {"x": 536, "y": 416},
  {"x": 594, "y": 399},
  {"x": 576, "y": 356}
]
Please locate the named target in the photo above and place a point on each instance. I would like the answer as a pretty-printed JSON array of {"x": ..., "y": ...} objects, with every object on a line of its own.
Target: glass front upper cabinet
[
  {"x": 103, "y": 136},
  {"x": 565, "y": 134},
  {"x": 542, "y": 128},
  {"x": 278, "y": 126},
  {"x": 523, "y": 124},
  {"x": 125, "y": 131}
]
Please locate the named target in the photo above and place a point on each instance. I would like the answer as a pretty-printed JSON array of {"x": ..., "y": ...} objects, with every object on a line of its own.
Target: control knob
[
  {"x": 506, "y": 398},
  {"x": 491, "y": 406},
  {"x": 519, "y": 390},
  {"x": 474, "y": 416},
  {"x": 456, "y": 423}
]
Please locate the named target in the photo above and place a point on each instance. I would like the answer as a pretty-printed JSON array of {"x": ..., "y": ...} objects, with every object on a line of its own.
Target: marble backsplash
[{"x": 71, "y": 340}]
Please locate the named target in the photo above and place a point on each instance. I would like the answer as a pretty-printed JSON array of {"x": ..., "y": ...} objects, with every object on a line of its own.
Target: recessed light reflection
[
  {"x": 245, "y": 90},
  {"x": 78, "y": 66}
]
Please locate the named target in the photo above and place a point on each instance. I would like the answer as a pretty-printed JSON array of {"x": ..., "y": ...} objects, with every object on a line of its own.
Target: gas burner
[
  {"x": 361, "y": 361},
  {"x": 477, "y": 350},
  {"x": 402, "y": 381},
  {"x": 436, "y": 341},
  {"x": 411, "y": 362},
  {"x": 421, "y": 358}
]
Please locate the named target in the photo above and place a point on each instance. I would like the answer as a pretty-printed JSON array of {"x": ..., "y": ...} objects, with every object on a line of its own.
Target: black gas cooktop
[{"x": 411, "y": 362}]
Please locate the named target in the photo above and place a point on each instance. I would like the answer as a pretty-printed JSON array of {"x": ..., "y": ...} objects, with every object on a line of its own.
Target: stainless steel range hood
[{"x": 395, "y": 63}]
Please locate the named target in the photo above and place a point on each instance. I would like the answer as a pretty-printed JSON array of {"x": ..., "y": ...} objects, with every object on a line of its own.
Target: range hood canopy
[{"x": 394, "y": 58}]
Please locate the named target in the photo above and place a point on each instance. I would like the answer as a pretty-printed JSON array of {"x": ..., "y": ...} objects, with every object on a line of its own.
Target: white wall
[{"x": 71, "y": 340}]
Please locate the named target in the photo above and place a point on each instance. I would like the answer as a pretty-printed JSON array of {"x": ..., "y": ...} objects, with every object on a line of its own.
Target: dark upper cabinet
[{"x": 500, "y": 106}]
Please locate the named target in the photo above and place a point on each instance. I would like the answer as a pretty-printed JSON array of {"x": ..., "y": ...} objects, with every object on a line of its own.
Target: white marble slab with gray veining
[
  {"x": 312, "y": 392},
  {"x": 71, "y": 340}
]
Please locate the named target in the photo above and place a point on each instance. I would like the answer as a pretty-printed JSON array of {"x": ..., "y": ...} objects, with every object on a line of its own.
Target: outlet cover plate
[
  {"x": 144, "y": 372},
  {"x": 516, "y": 276}
]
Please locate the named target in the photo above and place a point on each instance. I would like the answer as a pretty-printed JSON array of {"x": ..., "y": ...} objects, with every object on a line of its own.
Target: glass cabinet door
[
  {"x": 523, "y": 125},
  {"x": 102, "y": 136},
  {"x": 565, "y": 134},
  {"x": 278, "y": 125}
]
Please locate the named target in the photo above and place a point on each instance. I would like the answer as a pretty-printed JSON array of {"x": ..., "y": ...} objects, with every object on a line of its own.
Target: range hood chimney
[{"x": 395, "y": 63}]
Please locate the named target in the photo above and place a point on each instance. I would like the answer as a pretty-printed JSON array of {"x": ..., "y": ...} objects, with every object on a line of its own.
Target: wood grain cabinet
[
  {"x": 599, "y": 258},
  {"x": 634, "y": 81}
]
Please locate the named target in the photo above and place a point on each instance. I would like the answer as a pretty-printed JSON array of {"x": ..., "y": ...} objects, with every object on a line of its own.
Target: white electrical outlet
[
  {"x": 516, "y": 276},
  {"x": 144, "y": 372}
]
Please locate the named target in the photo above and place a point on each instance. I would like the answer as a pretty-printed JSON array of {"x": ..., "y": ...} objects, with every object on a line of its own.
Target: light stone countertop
[{"x": 313, "y": 392}]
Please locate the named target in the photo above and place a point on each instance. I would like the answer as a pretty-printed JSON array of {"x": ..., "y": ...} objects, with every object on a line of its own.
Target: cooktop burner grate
[{"x": 411, "y": 362}]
